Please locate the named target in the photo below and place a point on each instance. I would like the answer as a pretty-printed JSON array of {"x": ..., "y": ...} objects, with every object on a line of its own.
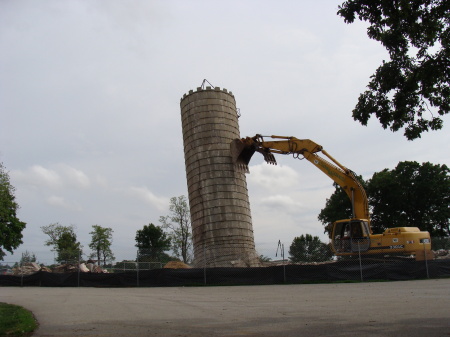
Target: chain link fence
[
  {"x": 318, "y": 263},
  {"x": 308, "y": 265},
  {"x": 78, "y": 267}
]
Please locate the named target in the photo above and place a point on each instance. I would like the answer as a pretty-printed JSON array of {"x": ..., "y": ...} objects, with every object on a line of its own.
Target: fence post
[
  {"x": 21, "y": 273},
  {"x": 426, "y": 260},
  {"x": 204, "y": 263},
  {"x": 280, "y": 246},
  {"x": 360, "y": 262},
  {"x": 137, "y": 268},
  {"x": 79, "y": 267}
]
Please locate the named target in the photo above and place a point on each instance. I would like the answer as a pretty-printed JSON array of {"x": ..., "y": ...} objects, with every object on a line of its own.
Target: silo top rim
[{"x": 207, "y": 89}]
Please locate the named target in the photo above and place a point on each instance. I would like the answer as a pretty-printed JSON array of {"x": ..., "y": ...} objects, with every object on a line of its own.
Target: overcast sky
[{"x": 90, "y": 127}]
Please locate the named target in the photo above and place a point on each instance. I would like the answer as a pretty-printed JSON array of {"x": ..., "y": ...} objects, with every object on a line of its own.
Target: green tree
[
  {"x": 179, "y": 222},
  {"x": 152, "y": 241},
  {"x": 101, "y": 243},
  {"x": 440, "y": 243},
  {"x": 263, "y": 258},
  {"x": 55, "y": 231},
  {"x": 27, "y": 257},
  {"x": 307, "y": 248},
  {"x": 411, "y": 195},
  {"x": 68, "y": 248},
  {"x": 64, "y": 241},
  {"x": 413, "y": 86},
  {"x": 10, "y": 226}
]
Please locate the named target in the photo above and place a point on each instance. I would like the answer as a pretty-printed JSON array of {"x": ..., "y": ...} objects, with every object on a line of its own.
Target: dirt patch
[{"x": 176, "y": 265}]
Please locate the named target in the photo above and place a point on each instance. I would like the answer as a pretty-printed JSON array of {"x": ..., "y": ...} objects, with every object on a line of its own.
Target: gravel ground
[{"x": 402, "y": 308}]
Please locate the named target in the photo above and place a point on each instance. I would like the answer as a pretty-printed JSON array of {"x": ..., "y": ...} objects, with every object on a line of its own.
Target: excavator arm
[
  {"x": 349, "y": 236},
  {"x": 243, "y": 149}
]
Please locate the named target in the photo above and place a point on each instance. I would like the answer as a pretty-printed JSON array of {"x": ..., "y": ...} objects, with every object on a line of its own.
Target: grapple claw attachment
[
  {"x": 241, "y": 154},
  {"x": 268, "y": 157},
  {"x": 242, "y": 151}
]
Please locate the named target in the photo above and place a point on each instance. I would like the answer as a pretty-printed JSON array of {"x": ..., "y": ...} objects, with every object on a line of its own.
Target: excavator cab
[{"x": 350, "y": 236}]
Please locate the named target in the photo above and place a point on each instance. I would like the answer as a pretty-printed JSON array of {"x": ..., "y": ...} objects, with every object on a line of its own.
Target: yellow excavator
[{"x": 349, "y": 236}]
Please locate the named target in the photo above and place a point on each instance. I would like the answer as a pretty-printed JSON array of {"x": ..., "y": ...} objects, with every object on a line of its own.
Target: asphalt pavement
[{"x": 401, "y": 308}]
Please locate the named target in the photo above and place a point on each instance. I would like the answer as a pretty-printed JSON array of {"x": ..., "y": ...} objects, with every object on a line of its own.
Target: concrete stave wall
[{"x": 218, "y": 197}]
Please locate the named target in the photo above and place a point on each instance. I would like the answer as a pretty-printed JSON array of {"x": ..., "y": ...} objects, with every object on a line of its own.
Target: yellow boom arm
[{"x": 243, "y": 149}]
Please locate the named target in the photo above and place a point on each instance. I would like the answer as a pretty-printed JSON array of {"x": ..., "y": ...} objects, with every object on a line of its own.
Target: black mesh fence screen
[{"x": 156, "y": 271}]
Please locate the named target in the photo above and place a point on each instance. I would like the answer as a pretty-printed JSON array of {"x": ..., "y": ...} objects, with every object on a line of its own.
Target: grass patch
[{"x": 16, "y": 321}]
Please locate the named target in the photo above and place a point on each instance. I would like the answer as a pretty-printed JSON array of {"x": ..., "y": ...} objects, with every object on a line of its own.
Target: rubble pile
[
  {"x": 93, "y": 268},
  {"x": 442, "y": 254},
  {"x": 32, "y": 267},
  {"x": 27, "y": 269},
  {"x": 65, "y": 268},
  {"x": 176, "y": 265},
  {"x": 82, "y": 267}
]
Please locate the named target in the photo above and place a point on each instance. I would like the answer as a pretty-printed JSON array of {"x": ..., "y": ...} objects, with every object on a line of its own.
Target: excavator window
[
  {"x": 350, "y": 236},
  {"x": 356, "y": 230},
  {"x": 342, "y": 236},
  {"x": 360, "y": 240}
]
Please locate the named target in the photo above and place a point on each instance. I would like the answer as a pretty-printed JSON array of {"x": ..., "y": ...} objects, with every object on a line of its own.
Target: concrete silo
[{"x": 220, "y": 210}]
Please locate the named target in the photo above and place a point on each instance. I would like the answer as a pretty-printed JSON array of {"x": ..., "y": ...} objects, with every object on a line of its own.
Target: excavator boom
[
  {"x": 243, "y": 149},
  {"x": 349, "y": 236}
]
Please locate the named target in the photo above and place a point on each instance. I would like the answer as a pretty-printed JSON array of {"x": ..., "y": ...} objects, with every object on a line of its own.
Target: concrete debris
[
  {"x": 65, "y": 268},
  {"x": 32, "y": 267},
  {"x": 98, "y": 269},
  {"x": 287, "y": 262},
  {"x": 442, "y": 254},
  {"x": 84, "y": 269},
  {"x": 27, "y": 269}
]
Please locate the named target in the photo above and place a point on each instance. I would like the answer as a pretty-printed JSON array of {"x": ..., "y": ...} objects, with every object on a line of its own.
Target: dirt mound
[{"x": 176, "y": 265}]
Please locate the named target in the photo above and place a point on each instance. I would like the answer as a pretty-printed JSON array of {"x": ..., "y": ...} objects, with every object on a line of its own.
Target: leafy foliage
[
  {"x": 179, "y": 222},
  {"x": 68, "y": 248},
  {"x": 64, "y": 241},
  {"x": 264, "y": 258},
  {"x": 10, "y": 226},
  {"x": 27, "y": 257},
  {"x": 415, "y": 83},
  {"x": 152, "y": 241},
  {"x": 442, "y": 242},
  {"x": 411, "y": 195},
  {"x": 307, "y": 248},
  {"x": 55, "y": 231},
  {"x": 101, "y": 243}
]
